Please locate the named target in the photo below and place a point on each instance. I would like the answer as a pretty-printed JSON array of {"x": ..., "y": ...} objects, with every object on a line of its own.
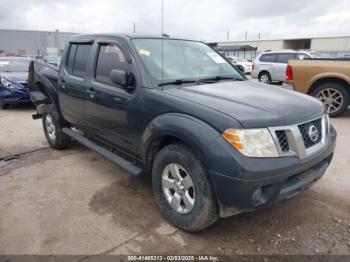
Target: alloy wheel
[
  {"x": 50, "y": 127},
  {"x": 332, "y": 98},
  {"x": 264, "y": 79},
  {"x": 178, "y": 188}
]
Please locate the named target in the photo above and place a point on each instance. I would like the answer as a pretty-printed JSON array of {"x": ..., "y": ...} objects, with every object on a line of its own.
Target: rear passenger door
[
  {"x": 73, "y": 84},
  {"x": 281, "y": 65}
]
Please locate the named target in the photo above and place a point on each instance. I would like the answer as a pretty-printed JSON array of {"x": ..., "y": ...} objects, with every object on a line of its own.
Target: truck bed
[
  {"x": 43, "y": 83},
  {"x": 307, "y": 72}
]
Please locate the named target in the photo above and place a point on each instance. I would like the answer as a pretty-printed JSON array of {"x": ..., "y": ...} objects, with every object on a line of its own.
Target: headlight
[
  {"x": 252, "y": 142},
  {"x": 5, "y": 82}
]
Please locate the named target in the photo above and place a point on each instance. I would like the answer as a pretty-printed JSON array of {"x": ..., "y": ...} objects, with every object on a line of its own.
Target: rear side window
[
  {"x": 283, "y": 58},
  {"x": 80, "y": 61},
  {"x": 302, "y": 56},
  {"x": 110, "y": 57},
  {"x": 268, "y": 58},
  {"x": 70, "y": 62}
]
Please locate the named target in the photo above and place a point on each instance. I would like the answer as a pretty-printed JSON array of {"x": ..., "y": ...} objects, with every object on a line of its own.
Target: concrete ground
[{"x": 76, "y": 202}]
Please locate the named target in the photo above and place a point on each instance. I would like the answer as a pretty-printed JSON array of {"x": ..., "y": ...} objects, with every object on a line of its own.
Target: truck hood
[{"x": 253, "y": 104}]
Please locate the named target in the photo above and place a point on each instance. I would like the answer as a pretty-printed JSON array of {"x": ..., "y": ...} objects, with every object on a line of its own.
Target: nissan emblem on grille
[{"x": 313, "y": 133}]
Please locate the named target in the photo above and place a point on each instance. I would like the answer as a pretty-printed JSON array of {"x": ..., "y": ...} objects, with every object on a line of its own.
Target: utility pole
[
  {"x": 246, "y": 34},
  {"x": 134, "y": 28},
  {"x": 259, "y": 36},
  {"x": 228, "y": 35}
]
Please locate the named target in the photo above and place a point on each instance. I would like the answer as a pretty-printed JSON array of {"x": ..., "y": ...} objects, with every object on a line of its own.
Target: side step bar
[{"x": 128, "y": 166}]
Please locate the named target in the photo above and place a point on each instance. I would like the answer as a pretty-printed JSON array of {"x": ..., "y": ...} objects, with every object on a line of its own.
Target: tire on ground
[
  {"x": 341, "y": 89},
  {"x": 61, "y": 139},
  {"x": 205, "y": 210}
]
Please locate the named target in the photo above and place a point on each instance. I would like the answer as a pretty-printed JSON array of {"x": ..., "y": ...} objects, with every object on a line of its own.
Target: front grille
[
  {"x": 304, "y": 130},
  {"x": 282, "y": 139}
]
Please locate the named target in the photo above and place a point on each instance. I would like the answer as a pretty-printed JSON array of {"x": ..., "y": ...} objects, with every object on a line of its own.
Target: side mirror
[{"x": 119, "y": 77}]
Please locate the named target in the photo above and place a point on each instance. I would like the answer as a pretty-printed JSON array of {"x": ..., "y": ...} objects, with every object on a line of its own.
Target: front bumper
[
  {"x": 254, "y": 183},
  {"x": 14, "y": 96}
]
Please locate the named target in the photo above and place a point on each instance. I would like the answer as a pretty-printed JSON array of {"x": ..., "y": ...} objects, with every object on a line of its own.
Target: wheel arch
[
  {"x": 176, "y": 128},
  {"x": 264, "y": 71},
  {"x": 329, "y": 79}
]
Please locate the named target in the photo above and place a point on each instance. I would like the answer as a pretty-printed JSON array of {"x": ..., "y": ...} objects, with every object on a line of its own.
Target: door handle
[{"x": 91, "y": 92}]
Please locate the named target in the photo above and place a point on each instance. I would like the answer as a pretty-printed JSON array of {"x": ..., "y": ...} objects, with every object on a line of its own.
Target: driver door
[{"x": 109, "y": 105}]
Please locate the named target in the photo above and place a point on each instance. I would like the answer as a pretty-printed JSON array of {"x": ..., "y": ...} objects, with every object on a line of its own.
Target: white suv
[{"x": 271, "y": 66}]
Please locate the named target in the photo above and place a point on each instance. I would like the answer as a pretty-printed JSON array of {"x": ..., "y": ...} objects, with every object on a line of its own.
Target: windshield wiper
[
  {"x": 218, "y": 78},
  {"x": 201, "y": 80},
  {"x": 177, "y": 82}
]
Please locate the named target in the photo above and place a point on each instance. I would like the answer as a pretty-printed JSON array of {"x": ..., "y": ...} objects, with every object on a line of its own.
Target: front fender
[
  {"x": 215, "y": 153},
  {"x": 194, "y": 132}
]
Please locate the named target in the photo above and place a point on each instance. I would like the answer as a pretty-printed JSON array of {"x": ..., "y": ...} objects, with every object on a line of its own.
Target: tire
[
  {"x": 204, "y": 211},
  {"x": 334, "y": 95},
  {"x": 265, "y": 77},
  {"x": 5, "y": 106},
  {"x": 53, "y": 131}
]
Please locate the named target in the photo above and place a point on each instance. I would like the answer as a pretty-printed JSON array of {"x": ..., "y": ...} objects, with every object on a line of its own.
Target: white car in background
[
  {"x": 270, "y": 66},
  {"x": 247, "y": 66}
]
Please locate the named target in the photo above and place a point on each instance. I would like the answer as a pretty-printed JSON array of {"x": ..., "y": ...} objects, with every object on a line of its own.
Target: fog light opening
[{"x": 258, "y": 197}]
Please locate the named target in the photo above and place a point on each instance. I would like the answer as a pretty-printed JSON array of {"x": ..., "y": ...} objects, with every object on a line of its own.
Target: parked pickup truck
[
  {"x": 214, "y": 143},
  {"x": 326, "y": 79}
]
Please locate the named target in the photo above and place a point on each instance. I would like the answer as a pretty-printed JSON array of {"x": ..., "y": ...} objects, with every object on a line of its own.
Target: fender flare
[
  {"x": 194, "y": 132},
  {"x": 329, "y": 75}
]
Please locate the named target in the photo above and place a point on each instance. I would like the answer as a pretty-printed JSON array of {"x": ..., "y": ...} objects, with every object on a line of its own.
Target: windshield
[
  {"x": 14, "y": 65},
  {"x": 182, "y": 60}
]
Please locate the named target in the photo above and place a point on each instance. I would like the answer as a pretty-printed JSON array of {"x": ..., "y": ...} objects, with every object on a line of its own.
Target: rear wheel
[
  {"x": 53, "y": 131},
  {"x": 334, "y": 95},
  {"x": 5, "y": 106},
  {"x": 182, "y": 189},
  {"x": 264, "y": 77}
]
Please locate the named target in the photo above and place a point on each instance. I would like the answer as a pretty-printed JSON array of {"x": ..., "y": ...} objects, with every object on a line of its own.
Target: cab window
[
  {"x": 71, "y": 56},
  {"x": 80, "y": 61},
  {"x": 110, "y": 57},
  {"x": 77, "y": 59}
]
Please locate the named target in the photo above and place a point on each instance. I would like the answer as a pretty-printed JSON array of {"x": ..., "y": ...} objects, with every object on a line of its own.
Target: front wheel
[
  {"x": 334, "y": 96},
  {"x": 53, "y": 131},
  {"x": 182, "y": 189}
]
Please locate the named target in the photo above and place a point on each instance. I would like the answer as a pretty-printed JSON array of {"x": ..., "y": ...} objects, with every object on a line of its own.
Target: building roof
[{"x": 283, "y": 39}]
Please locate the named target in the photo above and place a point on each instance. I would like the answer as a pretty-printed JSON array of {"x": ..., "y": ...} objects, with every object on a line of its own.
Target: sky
[{"x": 206, "y": 20}]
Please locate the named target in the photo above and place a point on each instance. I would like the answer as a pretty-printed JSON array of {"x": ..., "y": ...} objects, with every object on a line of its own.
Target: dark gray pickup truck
[{"x": 214, "y": 143}]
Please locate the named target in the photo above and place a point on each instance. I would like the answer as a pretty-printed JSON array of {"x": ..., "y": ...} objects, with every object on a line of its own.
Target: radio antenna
[{"x": 162, "y": 34}]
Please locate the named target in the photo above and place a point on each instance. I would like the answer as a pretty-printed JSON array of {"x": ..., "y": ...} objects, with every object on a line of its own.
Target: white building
[
  {"x": 335, "y": 46},
  {"x": 24, "y": 42}
]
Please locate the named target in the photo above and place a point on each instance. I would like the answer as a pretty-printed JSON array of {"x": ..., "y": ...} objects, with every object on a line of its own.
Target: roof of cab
[{"x": 126, "y": 36}]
